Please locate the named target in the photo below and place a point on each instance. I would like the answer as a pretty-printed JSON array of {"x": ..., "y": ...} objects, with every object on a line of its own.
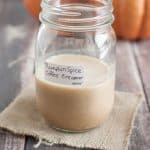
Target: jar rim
[{"x": 77, "y": 16}]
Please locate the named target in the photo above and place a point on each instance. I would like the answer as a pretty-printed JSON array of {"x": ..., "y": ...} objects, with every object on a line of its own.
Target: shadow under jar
[{"x": 75, "y": 63}]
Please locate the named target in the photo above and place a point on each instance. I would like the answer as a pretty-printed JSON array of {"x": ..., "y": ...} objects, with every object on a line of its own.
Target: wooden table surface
[{"x": 17, "y": 34}]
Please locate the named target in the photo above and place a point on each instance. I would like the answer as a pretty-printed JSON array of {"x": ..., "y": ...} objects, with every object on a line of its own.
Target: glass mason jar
[{"x": 75, "y": 63}]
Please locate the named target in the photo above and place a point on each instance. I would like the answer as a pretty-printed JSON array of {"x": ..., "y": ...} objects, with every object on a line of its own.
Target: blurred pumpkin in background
[
  {"x": 132, "y": 17},
  {"x": 145, "y": 31},
  {"x": 33, "y": 6}
]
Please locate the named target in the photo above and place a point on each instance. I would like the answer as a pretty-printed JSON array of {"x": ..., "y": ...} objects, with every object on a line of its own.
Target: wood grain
[
  {"x": 140, "y": 139},
  {"x": 127, "y": 76},
  {"x": 9, "y": 141},
  {"x": 13, "y": 142},
  {"x": 31, "y": 142},
  {"x": 140, "y": 135},
  {"x": 2, "y": 139},
  {"x": 142, "y": 53},
  {"x": 16, "y": 30},
  {"x": 128, "y": 79},
  {"x": 16, "y": 37}
]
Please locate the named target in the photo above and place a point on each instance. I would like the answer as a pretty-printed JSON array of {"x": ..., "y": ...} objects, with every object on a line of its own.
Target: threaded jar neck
[{"x": 77, "y": 15}]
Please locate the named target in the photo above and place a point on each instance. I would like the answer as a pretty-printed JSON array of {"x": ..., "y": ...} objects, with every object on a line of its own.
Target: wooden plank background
[{"x": 17, "y": 31}]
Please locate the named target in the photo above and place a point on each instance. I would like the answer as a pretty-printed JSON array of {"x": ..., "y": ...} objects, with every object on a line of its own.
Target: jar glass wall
[{"x": 73, "y": 37}]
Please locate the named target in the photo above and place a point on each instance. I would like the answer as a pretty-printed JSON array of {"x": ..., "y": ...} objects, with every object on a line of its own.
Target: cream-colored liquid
[{"x": 79, "y": 107}]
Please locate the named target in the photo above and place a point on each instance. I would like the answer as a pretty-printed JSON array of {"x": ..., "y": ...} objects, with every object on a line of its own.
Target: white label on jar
[{"x": 64, "y": 74}]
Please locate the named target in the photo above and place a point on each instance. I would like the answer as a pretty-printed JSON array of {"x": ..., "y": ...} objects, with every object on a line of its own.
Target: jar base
[{"x": 72, "y": 131}]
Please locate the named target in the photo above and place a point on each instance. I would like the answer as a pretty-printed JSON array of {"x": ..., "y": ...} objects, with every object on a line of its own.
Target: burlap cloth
[{"x": 22, "y": 117}]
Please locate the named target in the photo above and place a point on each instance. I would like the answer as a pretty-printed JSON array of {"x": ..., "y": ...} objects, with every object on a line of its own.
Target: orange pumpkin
[
  {"x": 132, "y": 17},
  {"x": 33, "y": 6},
  {"x": 145, "y": 29}
]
